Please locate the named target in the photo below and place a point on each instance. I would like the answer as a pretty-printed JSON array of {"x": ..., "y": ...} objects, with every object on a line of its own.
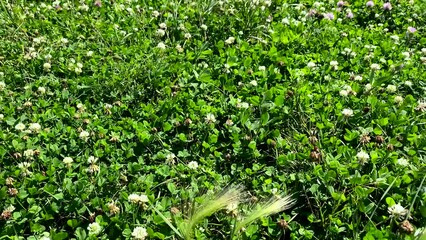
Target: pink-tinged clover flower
[
  {"x": 387, "y": 6},
  {"x": 411, "y": 30},
  {"x": 370, "y": 4},
  {"x": 329, "y": 16}
]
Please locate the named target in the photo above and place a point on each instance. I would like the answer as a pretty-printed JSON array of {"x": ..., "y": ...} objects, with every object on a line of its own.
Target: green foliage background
[{"x": 143, "y": 103}]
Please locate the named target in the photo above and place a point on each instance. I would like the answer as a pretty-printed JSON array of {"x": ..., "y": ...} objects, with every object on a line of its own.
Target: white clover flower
[
  {"x": 229, "y": 122},
  {"x": 347, "y": 51},
  {"x": 67, "y": 160},
  {"x": 160, "y": 32},
  {"x": 230, "y": 40},
  {"x": 139, "y": 233},
  {"x": 20, "y": 127},
  {"x": 334, "y": 63},
  {"x": 93, "y": 168},
  {"x": 253, "y": 83},
  {"x": 363, "y": 157},
  {"x": 182, "y": 27},
  {"x": 155, "y": 14},
  {"x": 375, "y": 67},
  {"x": 1, "y": 116},
  {"x": 161, "y": 45},
  {"x": 35, "y": 127},
  {"x": 311, "y": 65},
  {"x": 113, "y": 208},
  {"x": 27, "y": 104},
  {"x": 397, "y": 210},
  {"x": 424, "y": 51},
  {"x": 47, "y": 66},
  {"x": 368, "y": 87},
  {"x": 41, "y": 90},
  {"x": 80, "y": 65},
  {"x": 64, "y": 40},
  {"x": 204, "y": 27},
  {"x": 24, "y": 165},
  {"x": 210, "y": 118},
  {"x": 406, "y": 55},
  {"x": 398, "y": 99},
  {"x": 84, "y": 7},
  {"x": 29, "y": 153},
  {"x": 163, "y": 25},
  {"x": 179, "y": 48},
  {"x": 187, "y": 35},
  {"x": 347, "y": 112},
  {"x": 243, "y": 105},
  {"x": 133, "y": 198},
  {"x": 402, "y": 162},
  {"x": 24, "y": 168},
  {"x": 285, "y": 21},
  {"x": 80, "y": 106},
  {"x": 358, "y": 78},
  {"x": 37, "y": 40},
  {"x": 193, "y": 165},
  {"x": 2, "y": 85},
  {"x": 391, "y": 88},
  {"x": 84, "y": 135},
  {"x": 89, "y": 53},
  {"x": 344, "y": 93},
  {"x": 421, "y": 106},
  {"x": 408, "y": 83},
  {"x": 137, "y": 199},
  {"x": 170, "y": 158},
  {"x": 262, "y": 68},
  {"x": 92, "y": 160},
  {"x": 347, "y": 88},
  {"x": 94, "y": 229}
]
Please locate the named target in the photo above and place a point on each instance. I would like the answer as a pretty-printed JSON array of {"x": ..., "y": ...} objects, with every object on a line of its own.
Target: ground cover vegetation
[{"x": 207, "y": 119}]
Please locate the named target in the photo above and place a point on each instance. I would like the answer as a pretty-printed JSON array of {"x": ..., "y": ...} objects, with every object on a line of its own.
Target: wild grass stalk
[{"x": 272, "y": 206}]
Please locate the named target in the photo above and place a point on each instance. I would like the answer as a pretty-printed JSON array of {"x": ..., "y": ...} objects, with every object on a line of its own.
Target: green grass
[{"x": 172, "y": 101}]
